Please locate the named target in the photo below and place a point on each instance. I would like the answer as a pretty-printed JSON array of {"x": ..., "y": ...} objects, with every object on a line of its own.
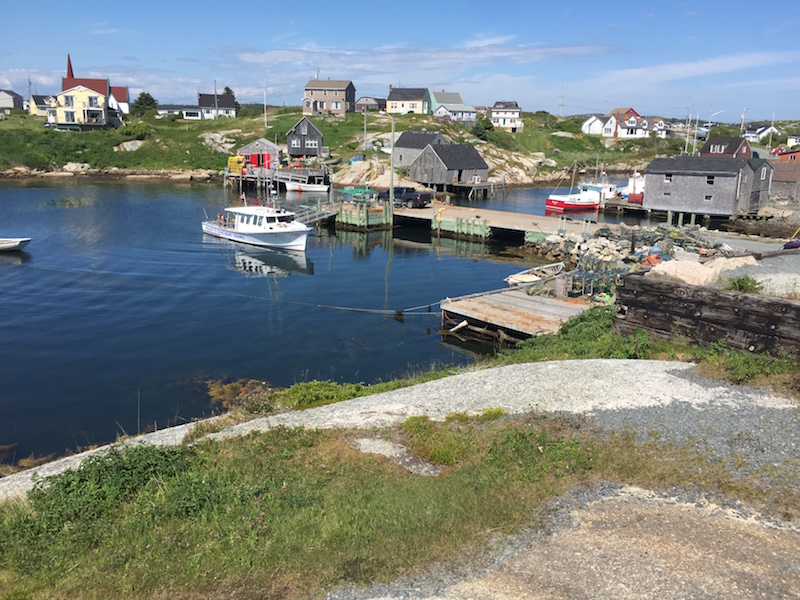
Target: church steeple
[{"x": 69, "y": 68}]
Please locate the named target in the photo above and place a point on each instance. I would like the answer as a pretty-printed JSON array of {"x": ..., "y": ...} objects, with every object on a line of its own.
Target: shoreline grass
[{"x": 289, "y": 513}]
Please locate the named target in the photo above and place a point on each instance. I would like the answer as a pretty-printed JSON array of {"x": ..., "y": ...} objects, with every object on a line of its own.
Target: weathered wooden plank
[{"x": 701, "y": 314}]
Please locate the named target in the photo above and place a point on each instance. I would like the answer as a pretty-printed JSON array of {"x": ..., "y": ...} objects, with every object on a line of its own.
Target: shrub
[{"x": 745, "y": 284}]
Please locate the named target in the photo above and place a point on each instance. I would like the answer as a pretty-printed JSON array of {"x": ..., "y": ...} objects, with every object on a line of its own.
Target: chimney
[{"x": 390, "y": 88}]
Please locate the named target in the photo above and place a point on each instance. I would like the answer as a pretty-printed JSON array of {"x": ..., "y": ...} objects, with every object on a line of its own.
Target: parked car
[{"x": 407, "y": 196}]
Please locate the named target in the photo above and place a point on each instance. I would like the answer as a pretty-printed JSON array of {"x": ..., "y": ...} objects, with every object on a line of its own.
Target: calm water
[
  {"x": 120, "y": 308},
  {"x": 120, "y": 305}
]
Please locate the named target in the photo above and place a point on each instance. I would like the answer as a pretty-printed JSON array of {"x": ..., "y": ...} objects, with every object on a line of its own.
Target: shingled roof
[
  {"x": 702, "y": 165},
  {"x": 459, "y": 156},
  {"x": 406, "y": 94},
  {"x": 418, "y": 139}
]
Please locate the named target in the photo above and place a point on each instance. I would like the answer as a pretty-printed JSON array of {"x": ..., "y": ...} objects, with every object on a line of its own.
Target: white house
[
  {"x": 593, "y": 125},
  {"x": 506, "y": 114},
  {"x": 461, "y": 113},
  {"x": 793, "y": 140},
  {"x": 631, "y": 126},
  {"x": 9, "y": 99},
  {"x": 758, "y": 133}
]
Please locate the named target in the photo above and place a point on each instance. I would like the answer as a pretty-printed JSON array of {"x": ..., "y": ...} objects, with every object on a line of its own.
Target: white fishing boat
[
  {"x": 534, "y": 274},
  {"x": 13, "y": 244},
  {"x": 264, "y": 226},
  {"x": 297, "y": 186}
]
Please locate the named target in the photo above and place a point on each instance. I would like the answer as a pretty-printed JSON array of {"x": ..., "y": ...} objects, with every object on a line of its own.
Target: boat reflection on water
[
  {"x": 275, "y": 263},
  {"x": 264, "y": 262}
]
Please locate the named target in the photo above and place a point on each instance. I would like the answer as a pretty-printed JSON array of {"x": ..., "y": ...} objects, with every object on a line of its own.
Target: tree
[
  {"x": 236, "y": 105},
  {"x": 482, "y": 127},
  {"x": 143, "y": 103}
]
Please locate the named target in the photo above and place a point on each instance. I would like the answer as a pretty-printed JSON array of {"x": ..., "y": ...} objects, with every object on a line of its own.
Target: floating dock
[
  {"x": 481, "y": 224},
  {"x": 508, "y": 314}
]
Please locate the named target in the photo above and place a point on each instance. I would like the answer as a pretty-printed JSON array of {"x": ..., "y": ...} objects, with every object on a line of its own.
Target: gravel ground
[
  {"x": 608, "y": 541},
  {"x": 780, "y": 274}
]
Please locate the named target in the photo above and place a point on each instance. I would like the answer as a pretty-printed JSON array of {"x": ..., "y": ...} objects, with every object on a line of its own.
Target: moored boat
[
  {"x": 534, "y": 274},
  {"x": 633, "y": 192},
  {"x": 264, "y": 226},
  {"x": 297, "y": 186},
  {"x": 13, "y": 244},
  {"x": 585, "y": 199}
]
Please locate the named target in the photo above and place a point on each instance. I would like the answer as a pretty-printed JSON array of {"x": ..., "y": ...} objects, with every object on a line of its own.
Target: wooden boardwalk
[
  {"x": 498, "y": 219},
  {"x": 509, "y": 312}
]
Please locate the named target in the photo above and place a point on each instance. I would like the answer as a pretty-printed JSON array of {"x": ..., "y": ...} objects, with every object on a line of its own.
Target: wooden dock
[
  {"x": 464, "y": 221},
  {"x": 509, "y": 313}
]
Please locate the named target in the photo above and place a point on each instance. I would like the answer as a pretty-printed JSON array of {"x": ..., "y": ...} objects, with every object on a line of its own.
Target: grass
[
  {"x": 291, "y": 512},
  {"x": 176, "y": 144}
]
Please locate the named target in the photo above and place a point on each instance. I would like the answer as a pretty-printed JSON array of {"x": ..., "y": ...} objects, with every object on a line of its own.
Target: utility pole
[
  {"x": 696, "y": 123},
  {"x": 771, "y": 129},
  {"x": 216, "y": 106},
  {"x": 365, "y": 129},
  {"x": 265, "y": 108},
  {"x": 562, "y": 103},
  {"x": 391, "y": 170},
  {"x": 741, "y": 127}
]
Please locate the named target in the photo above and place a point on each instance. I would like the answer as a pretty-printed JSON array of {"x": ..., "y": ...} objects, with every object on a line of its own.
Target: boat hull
[
  {"x": 13, "y": 244},
  {"x": 570, "y": 204},
  {"x": 287, "y": 240},
  {"x": 294, "y": 186}
]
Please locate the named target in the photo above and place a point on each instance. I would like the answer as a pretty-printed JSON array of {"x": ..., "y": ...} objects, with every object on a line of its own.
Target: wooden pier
[
  {"x": 508, "y": 314},
  {"x": 481, "y": 224}
]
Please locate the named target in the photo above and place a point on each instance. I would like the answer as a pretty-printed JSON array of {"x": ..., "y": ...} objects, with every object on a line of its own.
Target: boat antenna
[{"x": 205, "y": 213}]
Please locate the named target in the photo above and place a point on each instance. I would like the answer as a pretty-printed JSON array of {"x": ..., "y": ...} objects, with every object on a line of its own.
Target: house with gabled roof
[
  {"x": 726, "y": 147},
  {"x": 260, "y": 153},
  {"x": 593, "y": 125},
  {"x": 402, "y": 101},
  {"x": 757, "y": 133},
  {"x": 329, "y": 97},
  {"x": 213, "y": 106},
  {"x": 411, "y": 143},
  {"x": 304, "y": 139},
  {"x": 370, "y": 103},
  {"x": 38, "y": 105},
  {"x": 631, "y": 125},
  {"x": 459, "y": 113},
  {"x": 448, "y": 164},
  {"x": 439, "y": 98},
  {"x": 707, "y": 185},
  {"x": 10, "y": 99},
  {"x": 506, "y": 114},
  {"x": 86, "y": 102},
  {"x": 786, "y": 180}
]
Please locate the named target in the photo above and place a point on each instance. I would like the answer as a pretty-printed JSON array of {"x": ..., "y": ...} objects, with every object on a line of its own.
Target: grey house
[
  {"x": 411, "y": 143},
  {"x": 707, "y": 185},
  {"x": 449, "y": 164},
  {"x": 304, "y": 139},
  {"x": 10, "y": 99}
]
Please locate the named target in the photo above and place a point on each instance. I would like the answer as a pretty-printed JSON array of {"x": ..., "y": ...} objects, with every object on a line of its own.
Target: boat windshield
[{"x": 285, "y": 218}]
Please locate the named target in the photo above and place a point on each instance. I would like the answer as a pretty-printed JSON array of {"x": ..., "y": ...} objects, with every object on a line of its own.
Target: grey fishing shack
[{"x": 707, "y": 185}]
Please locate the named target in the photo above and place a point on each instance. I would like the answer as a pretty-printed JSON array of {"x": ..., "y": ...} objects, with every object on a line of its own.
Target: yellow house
[{"x": 80, "y": 107}]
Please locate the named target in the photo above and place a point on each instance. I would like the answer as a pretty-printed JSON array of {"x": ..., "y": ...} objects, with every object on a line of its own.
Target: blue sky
[{"x": 666, "y": 58}]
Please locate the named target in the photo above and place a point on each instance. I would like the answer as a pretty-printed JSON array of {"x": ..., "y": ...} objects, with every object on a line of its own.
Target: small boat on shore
[
  {"x": 13, "y": 244},
  {"x": 534, "y": 274},
  {"x": 264, "y": 226},
  {"x": 297, "y": 186}
]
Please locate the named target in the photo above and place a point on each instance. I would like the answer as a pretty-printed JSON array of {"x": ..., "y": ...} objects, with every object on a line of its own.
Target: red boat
[{"x": 571, "y": 203}]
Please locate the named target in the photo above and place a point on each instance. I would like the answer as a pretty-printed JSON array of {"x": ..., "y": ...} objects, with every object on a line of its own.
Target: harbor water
[{"x": 120, "y": 310}]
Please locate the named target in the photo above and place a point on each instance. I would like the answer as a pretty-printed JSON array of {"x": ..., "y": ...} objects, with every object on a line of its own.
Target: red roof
[
  {"x": 120, "y": 92},
  {"x": 97, "y": 85}
]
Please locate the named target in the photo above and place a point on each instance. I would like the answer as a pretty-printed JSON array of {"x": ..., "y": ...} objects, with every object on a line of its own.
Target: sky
[{"x": 715, "y": 59}]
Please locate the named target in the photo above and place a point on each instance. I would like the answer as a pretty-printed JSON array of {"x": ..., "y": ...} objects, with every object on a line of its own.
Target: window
[
  {"x": 336, "y": 93},
  {"x": 322, "y": 106},
  {"x": 69, "y": 101},
  {"x": 667, "y": 177},
  {"x": 336, "y": 105},
  {"x": 260, "y": 221},
  {"x": 393, "y": 105},
  {"x": 295, "y": 142},
  {"x": 93, "y": 102},
  {"x": 710, "y": 179},
  {"x": 412, "y": 105},
  {"x": 69, "y": 116},
  {"x": 707, "y": 198},
  {"x": 324, "y": 92},
  {"x": 312, "y": 143},
  {"x": 308, "y": 103},
  {"x": 667, "y": 194},
  {"x": 304, "y": 129},
  {"x": 763, "y": 173}
]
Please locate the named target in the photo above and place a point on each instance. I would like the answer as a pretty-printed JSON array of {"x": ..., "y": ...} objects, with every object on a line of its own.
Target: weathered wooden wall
[{"x": 704, "y": 315}]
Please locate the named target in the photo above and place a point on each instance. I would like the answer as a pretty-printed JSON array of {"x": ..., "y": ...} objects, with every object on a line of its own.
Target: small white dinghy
[
  {"x": 534, "y": 274},
  {"x": 13, "y": 244}
]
